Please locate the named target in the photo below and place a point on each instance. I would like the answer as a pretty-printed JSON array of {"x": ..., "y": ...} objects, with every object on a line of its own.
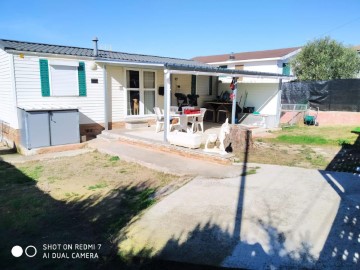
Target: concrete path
[
  {"x": 165, "y": 162},
  {"x": 280, "y": 217}
]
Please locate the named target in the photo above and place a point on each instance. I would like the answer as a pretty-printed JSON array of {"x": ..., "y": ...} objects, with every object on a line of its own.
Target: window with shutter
[
  {"x": 62, "y": 78},
  {"x": 44, "y": 77},
  {"x": 286, "y": 69}
]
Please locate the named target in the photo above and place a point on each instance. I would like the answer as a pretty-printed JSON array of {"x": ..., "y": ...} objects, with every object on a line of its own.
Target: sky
[{"x": 181, "y": 28}]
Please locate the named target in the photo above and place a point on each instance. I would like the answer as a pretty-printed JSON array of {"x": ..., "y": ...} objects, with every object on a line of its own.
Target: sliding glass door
[{"x": 141, "y": 86}]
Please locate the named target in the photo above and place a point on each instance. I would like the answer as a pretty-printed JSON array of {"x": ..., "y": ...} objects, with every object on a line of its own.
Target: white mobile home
[{"x": 107, "y": 88}]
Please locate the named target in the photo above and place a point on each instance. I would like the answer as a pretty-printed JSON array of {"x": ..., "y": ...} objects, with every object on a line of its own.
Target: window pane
[
  {"x": 133, "y": 102},
  {"x": 149, "y": 102},
  {"x": 149, "y": 79},
  {"x": 64, "y": 81},
  {"x": 132, "y": 77}
]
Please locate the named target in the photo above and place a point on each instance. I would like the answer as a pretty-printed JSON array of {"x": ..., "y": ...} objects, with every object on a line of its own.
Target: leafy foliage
[{"x": 325, "y": 59}]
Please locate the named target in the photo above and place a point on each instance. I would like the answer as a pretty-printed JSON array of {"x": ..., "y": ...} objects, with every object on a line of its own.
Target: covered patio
[{"x": 170, "y": 75}]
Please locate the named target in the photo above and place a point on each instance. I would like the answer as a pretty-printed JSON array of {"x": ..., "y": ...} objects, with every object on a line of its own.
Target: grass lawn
[
  {"x": 332, "y": 148},
  {"x": 87, "y": 199}
]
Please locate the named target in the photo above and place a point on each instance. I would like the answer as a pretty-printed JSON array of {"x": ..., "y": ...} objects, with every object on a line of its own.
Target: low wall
[{"x": 329, "y": 118}]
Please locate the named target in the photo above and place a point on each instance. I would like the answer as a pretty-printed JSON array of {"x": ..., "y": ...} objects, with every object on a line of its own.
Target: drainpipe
[
  {"x": 106, "y": 120},
  {"x": 95, "y": 52},
  {"x": 279, "y": 103}
]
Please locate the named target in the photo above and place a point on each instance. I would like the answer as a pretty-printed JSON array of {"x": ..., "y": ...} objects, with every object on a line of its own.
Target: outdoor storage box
[{"x": 48, "y": 126}]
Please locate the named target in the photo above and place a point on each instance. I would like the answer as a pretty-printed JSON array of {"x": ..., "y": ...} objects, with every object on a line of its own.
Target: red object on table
[{"x": 187, "y": 111}]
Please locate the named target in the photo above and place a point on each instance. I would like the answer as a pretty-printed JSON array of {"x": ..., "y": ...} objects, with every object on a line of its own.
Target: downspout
[
  {"x": 106, "y": 105},
  {"x": 233, "y": 112},
  {"x": 15, "y": 124},
  {"x": 278, "y": 113},
  {"x": 167, "y": 96}
]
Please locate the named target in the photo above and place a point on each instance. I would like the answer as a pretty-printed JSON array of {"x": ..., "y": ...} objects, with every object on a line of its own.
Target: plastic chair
[
  {"x": 210, "y": 109},
  {"x": 223, "y": 110},
  {"x": 159, "y": 119},
  {"x": 199, "y": 121}
]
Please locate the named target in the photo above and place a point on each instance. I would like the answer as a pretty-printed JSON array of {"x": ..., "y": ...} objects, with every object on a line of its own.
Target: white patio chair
[
  {"x": 159, "y": 119},
  {"x": 199, "y": 121},
  {"x": 174, "y": 109}
]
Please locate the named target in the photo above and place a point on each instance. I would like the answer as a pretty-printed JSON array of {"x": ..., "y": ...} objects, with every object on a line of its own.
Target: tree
[{"x": 325, "y": 59}]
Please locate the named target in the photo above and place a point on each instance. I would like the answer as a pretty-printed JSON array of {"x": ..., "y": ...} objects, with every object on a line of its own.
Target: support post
[
  {"x": 167, "y": 98},
  {"x": 233, "y": 112},
  {"x": 106, "y": 99},
  {"x": 278, "y": 113}
]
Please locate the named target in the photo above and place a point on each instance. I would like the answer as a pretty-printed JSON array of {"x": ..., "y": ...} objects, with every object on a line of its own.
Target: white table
[{"x": 184, "y": 119}]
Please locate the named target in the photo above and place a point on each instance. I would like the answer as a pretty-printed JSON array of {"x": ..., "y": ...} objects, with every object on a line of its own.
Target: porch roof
[{"x": 217, "y": 71}]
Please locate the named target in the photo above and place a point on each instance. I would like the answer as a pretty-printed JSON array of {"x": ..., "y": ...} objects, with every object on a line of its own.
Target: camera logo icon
[{"x": 30, "y": 251}]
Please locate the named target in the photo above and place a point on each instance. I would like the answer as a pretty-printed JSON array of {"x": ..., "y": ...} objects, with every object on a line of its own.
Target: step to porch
[{"x": 136, "y": 124}]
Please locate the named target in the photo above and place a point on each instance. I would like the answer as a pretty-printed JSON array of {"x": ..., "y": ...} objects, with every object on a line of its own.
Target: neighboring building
[
  {"x": 275, "y": 61},
  {"x": 261, "y": 94}
]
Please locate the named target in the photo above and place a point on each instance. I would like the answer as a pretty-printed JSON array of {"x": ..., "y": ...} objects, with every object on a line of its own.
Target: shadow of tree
[
  {"x": 342, "y": 246},
  {"x": 30, "y": 216}
]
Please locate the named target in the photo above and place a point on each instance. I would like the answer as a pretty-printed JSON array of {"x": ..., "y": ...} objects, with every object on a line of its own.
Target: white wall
[
  {"x": 262, "y": 96},
  {"x": 27, "y": 75},
  {"x": 7, "y": 101},
  {"x": 117, "y": 93}
]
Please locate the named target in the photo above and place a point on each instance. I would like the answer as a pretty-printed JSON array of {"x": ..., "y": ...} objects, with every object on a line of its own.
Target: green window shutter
[
  {"x": 82, "y": 79},
  {"x": 193, "y": 84},
  {"x": 44, "y": 77},
  {"x": 210, "y": 85},
  {"x": 286, "y": 69}
]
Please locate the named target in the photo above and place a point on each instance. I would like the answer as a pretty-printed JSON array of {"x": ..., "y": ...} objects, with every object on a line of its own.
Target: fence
[{"x": 334, "y": 95}]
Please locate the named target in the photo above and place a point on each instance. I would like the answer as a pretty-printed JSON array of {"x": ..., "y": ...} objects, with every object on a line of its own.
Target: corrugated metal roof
[
  {"x": 170, "y": 63},
  {"x": 86, "y": 52},
  {"x": 246, "y": 55}
]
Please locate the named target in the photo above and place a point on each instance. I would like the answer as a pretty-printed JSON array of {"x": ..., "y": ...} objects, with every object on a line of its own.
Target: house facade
[{"x": 105, "y": 86}]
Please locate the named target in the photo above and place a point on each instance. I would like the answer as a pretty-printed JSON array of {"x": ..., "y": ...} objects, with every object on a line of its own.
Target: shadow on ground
[{"x": 29, "y": 216}]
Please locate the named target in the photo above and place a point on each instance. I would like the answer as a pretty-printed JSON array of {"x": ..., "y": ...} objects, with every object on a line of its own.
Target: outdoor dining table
[{"x": 184, "y": 119}]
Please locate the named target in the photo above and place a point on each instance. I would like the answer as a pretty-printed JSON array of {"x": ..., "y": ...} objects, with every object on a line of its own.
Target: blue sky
[{"x": 181, "y": 28}]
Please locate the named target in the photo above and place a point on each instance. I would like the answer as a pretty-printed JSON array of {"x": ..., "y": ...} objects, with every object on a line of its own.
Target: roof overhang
[
  {"x": 128, "y": 63},
  {"x": 215, "y": 71}
]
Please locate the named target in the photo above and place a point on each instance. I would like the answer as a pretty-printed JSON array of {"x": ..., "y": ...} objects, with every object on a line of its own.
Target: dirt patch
[{"x": 86, "y": 199}]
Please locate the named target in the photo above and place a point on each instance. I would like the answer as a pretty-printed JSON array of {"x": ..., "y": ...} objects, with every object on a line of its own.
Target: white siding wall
[
  {"x": 27, "y": 75},
  {"x": 117, "y": 93},
  {"x": 181, "y": 85},
  {"x": 7, "y": 100},
  {"x": 202, "y": 89},
  {"x": 160, "y": 82},
  {"x": 262, "y": 96}
]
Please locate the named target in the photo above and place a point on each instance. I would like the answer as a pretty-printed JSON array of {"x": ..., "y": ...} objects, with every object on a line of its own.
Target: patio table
[{"x": 184, "y": 119}]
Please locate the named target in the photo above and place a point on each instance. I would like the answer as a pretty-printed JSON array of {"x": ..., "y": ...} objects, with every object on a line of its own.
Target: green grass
[
  {"x": 356, "y": 130},
  {"x": 250, "y": 171},
  {"x": 97, "y": 186},
  {"x": 114, "y": 158},
  {"x": 33, "y": 172},
  {"x": 302, "y": 139}
]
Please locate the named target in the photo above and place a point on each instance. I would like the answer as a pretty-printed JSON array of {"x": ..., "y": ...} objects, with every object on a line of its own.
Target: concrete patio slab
[{"x": 280, "y": 217}]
